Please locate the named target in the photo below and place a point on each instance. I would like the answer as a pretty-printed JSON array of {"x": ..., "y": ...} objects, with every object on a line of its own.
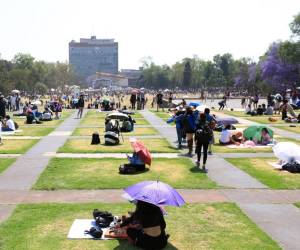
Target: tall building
[{"x": 93, "y": 55}]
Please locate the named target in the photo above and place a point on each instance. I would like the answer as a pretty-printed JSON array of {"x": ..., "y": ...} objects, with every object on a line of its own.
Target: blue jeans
[
  {"x": 6, "y": 129},
  {"x": 179, "y": 135}
]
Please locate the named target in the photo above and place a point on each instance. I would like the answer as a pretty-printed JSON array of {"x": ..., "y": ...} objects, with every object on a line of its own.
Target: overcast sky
[{"x": 166, "y": 30}]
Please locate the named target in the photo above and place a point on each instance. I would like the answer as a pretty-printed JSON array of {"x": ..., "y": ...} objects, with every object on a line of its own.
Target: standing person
[
  {"x": 133, "y": 100},
  {"x": 80, "y": 105},
  {"x": 2, "y": 106},
  {"x": 143, "y": 101},
  {"x": 203, "y": 136},
  {"x": 159, "y": 101},
  {"x": 177, "y": 117},
  {"x": 255, "y": 101},
  {"x": 212, "y": 123},
  {"x": 243, "y": 102},
  {"x": 189, "y": 125}
]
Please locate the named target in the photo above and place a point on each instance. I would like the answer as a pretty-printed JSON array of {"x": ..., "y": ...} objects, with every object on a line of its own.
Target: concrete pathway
[
  {"x": 27, "y": 168},
  {"x": 84, "y": 137},
  {"x": 107, "y": 155},
  {"x": 9, "y": 155}
]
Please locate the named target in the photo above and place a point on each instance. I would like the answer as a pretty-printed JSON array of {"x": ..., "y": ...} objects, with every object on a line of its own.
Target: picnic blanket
[
  {"x": 80, "y": 225},
  {"x": 4, "y": 133},
  {"x": 247, "y": 146}
]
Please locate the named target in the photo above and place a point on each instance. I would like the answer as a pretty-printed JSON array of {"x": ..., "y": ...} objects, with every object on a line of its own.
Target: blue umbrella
[
  {"x": 195, "y": 104},
  {"x": 156, "y": 193}
]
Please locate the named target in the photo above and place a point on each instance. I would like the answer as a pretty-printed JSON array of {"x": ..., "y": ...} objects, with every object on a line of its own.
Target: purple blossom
[{"x": 276, "y": 72}]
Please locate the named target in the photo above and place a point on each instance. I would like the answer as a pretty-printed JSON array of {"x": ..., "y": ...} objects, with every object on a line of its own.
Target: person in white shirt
[
  {"x": 225, "y": 137},
  {"x": 9, "y": 124}
]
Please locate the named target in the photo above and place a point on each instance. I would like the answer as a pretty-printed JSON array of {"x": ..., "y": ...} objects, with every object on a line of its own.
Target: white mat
[
  {"x": 80, "y": 225},
  {"x": 247, "y": 146}
]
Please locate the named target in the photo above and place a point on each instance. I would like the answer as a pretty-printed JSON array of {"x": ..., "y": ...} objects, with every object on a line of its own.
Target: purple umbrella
[
  {"x": 156, "y": 193},
  {"x": 226, "y": 121}
]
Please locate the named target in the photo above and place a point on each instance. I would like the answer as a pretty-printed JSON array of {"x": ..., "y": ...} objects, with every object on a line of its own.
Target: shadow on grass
[
  {"x": 137, "y": 173},
  {"x": 125, "y": 245},
  {"x": 197, "y": 170}
]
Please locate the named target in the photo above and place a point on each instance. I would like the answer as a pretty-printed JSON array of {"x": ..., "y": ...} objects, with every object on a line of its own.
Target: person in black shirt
[
  {"x": 150, "y": 232},
  {"x": 159, "y": 101},
  {"x": 80, "y": 105},
  {"x": 2, "y": 106}
]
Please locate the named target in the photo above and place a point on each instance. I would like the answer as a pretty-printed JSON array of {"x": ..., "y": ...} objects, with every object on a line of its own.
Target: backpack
[
  {"x": 293, "y": 167},
  {"x": 186, "y": 124},
  {"x": 131, "y": 169},
  {"x": 111, "y": 138},
  {"x": 126, "y": 126},
  {"x": 203, "y": 134},
  {"x": 95, "y": 139}
]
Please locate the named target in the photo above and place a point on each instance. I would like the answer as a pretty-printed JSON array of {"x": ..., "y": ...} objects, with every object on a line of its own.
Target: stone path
[{"x": 107, "y": 155}]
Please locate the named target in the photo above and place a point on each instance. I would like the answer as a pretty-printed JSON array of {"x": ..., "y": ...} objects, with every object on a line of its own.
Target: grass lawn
[
  {"x": 84, "y": 146},
  {"x": 98, "y": 121},
  {"x": 136, "y": 132},
  {"x": 290, "y": 129},
  {"x": 265, "y": 119},
  {"x": 262, "y": 171},
  {"x": 4, "y": 163},
  {"x": 233, "y": 113},
  {"x": 95, "y": 113},
  {"x": 16, "y": 146},
  {"x": 34, "y": 131},
  {"x": 68, "y": 173},
  {"x": 210, "y": 226}
]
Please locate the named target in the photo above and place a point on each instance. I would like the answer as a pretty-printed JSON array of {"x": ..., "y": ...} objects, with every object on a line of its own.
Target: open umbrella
[
  {"x": 226, "y": 120},
  {"x": 156, "y": 193},
  {"x": 141, "y": 150},
  {"x": 255, "y": 132},
  {"x": 15, "y": 91},
  {"x": 287, "y": 151},
  {"x": 194, "y": 104},
  {"x": 118, "y": 115},
  {"x": 37, "y": 102}
]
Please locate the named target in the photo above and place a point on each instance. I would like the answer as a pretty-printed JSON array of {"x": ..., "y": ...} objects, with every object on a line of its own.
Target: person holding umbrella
[{"x": 146, "y": 226}]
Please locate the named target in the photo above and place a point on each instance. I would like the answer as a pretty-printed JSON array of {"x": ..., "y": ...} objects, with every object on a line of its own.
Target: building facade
[{"x": 92, "y": 55}]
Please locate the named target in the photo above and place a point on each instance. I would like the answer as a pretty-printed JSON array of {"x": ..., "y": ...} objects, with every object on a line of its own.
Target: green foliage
[
  {"x": 40, "y": 88},
  {"x": 24, "y": 73},
  {"x": 295, "y": 25}
]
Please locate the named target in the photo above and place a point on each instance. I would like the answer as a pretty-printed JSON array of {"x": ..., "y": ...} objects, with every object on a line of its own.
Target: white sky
[{"x": 166, "y": 30}]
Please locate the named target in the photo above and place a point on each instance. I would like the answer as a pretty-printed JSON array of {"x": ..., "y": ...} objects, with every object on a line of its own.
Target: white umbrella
[
  {"x": 37, "y": 102},
  {"x": 15, "y": 91},
  {"x": 201, "y": 108},
  {"x": 287, "y": 151},
  {"x": 117, "y": 115}
]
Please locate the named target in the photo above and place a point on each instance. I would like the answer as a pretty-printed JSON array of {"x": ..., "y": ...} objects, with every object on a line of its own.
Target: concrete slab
[
  {"x": 226, "y": 175},
  {"x": 280, "y": 221},
  {"x": 9, "y": 155},
  {"x": 106, "y": 155}
]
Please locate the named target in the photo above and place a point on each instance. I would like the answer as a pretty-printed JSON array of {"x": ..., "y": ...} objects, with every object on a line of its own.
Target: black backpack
[
  {"x": 293, "y": 167},
  {"x": 95, "y": 139},
  {"x": 102, "y": 218},
  {"x": 203, "y": 134}
]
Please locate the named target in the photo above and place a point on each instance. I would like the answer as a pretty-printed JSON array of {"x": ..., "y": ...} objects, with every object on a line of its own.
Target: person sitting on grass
[
  {"x": 248, "y": 109},
  {"x": 226, "y": 138},
  {"x": 8, "y": 124},
  {"x": 259, "y": 110},
  {"x": 136, "y": 162},
  {"x": 265, "y": 138},
  {"x": 269, "y": 110},
  {"x": 287, "y": 108},
  {"x": 146, "y": 227}
]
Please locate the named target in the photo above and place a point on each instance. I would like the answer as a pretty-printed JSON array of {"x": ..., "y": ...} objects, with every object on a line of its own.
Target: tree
[
  {"x": 40, "y": 88},
  {"x": 187, "y": 75},
  {"x": 279, "y": 74},
  {"x": 295, "y": 25}
]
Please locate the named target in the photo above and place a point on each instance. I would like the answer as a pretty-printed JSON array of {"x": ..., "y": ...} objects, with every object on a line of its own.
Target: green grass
[
  {"x": 68, "y": 173},
  {"x": 233, "y": 113},
  {"x": 290, "y": 129},
  {"x": 219, "y": 226},
  {"x": 265, "y": 119},
  {"x": 84, "y": 146},
  {"x": 136, "y": 132},
  {"x": 5, "y": 162},
  {"x": 34, "y": 131},
  {"x": 16, "y": 146},
  {"x": 98, "y": 121},
  {"x": 265, "y": 173}
]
